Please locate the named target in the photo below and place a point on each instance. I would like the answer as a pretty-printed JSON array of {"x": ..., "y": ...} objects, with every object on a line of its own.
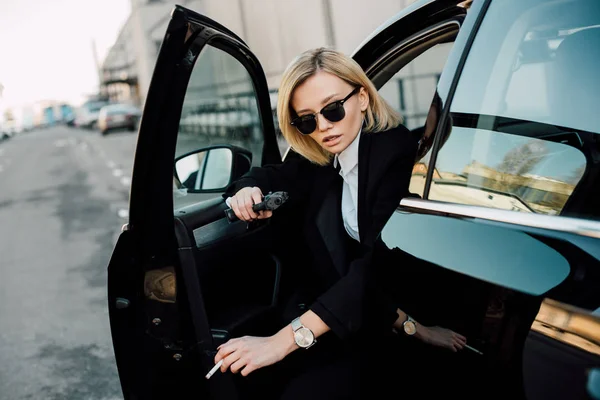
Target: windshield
[
  {"x": 524, "y": 113},
  {"x": 536, "y": 60}
]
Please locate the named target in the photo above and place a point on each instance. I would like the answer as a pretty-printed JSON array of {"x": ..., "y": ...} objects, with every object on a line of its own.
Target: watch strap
[{"x": 296, "y": 324}]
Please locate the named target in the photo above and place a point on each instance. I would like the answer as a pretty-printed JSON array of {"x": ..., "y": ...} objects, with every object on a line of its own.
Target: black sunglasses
[{"x": 333, "y": 112}]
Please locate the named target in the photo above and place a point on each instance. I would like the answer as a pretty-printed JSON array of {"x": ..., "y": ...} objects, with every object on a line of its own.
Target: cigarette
[
  {"x": 473, "y": 349},
  {"x": 214, "y": 369}
]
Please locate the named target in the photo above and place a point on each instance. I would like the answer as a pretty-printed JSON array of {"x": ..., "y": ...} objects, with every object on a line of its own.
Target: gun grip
[{"x": 231, "y": 215}]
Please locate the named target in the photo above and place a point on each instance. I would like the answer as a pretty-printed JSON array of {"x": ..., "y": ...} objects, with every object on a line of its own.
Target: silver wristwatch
[
  {"x": 302, "y": 335},
  {"x": 409, "y": 326}
]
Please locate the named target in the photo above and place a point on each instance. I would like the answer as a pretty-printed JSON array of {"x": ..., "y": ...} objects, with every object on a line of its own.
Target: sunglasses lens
[
  {"x": 306, "y": 124},
  {"x": 334, "y": 112}
]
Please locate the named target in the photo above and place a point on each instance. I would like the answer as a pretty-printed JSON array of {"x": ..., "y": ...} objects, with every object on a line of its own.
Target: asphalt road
[{"x": 63, "y": 199}]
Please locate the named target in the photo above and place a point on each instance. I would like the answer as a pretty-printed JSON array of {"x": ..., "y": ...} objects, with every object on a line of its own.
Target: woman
[{"x": 350, "y": 166}]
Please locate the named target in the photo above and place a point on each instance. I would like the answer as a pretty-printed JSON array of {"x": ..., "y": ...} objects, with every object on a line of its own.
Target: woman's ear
[{"x": 363, "y": 98}]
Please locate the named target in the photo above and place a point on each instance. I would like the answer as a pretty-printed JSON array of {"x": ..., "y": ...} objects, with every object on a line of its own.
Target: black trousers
[{"x": 329, "y": 370}]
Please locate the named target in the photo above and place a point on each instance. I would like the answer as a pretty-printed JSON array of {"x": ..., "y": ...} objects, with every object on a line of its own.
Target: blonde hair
[{"x": 379, "y": 116}]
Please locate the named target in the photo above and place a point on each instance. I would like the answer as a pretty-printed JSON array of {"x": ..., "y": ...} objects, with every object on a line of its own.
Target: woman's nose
[{"x": 323, "y": 123}]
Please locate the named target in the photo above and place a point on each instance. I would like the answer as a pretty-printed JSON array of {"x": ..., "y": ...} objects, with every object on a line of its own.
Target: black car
[{"x": 503, "y": 223}]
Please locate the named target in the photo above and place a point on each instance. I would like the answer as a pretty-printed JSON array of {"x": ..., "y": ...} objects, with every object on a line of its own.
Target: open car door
[{"x": 182, "y": 278}]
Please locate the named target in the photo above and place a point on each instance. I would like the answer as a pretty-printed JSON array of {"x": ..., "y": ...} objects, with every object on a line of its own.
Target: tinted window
[
  {"x": 504, "y": 257},
  {"x": 220, "y": 107},
  {"x": 535, "y": 60},
  {"x": 523, "y": 120}
]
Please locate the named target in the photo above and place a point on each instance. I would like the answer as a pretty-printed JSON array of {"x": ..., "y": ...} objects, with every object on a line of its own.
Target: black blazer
[{"x": 349, "y": 296}]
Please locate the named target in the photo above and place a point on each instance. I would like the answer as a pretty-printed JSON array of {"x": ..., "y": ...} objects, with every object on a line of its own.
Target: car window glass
[
  {"x": 219, "y": 108},
  {"x": 523, "y": 121},
  {"x": 506, "y": 257},
  {"x": 410, "y": 91}
]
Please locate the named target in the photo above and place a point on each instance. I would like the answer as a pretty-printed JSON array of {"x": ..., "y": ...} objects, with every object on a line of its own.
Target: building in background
[{"x": 272, "y": 28}]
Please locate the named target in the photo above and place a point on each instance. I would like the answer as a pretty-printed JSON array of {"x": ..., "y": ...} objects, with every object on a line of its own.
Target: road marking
[
  {"x": 117, "y": 172},
  {"x": 126, "y": 181},
  {"x": 123, "y": 213},
  {"x": 60, "y": 143},
  {"x": 111, "y": 164}
]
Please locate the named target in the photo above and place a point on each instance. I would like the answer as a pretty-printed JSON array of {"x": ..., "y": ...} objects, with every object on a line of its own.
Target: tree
[{"x": 522, "y": 159}]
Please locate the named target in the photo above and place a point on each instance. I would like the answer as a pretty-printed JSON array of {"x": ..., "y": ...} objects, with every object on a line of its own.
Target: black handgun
[{"x": 271, "y": 201}]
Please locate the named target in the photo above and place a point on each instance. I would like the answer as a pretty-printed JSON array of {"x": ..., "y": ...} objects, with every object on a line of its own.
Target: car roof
[{"x": 384, "y": 31}]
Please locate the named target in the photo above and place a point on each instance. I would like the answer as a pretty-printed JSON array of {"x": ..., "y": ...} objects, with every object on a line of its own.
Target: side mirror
[{"x": 211, "y": 169}]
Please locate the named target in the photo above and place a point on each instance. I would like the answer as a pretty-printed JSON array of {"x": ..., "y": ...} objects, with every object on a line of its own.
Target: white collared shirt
[{"x": 348, "y": 160}]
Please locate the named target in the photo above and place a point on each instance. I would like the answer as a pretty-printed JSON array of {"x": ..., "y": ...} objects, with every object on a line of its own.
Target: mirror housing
[{"x": 211, "y": 169}]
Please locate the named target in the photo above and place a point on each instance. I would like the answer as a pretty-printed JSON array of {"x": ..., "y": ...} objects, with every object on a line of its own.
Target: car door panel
[
  {"x": 525, "y": 296},
  {"x": 237, "y": 271}
]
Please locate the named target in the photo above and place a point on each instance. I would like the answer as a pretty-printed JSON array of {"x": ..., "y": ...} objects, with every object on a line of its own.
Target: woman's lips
[{"x": 332, "y": 140}]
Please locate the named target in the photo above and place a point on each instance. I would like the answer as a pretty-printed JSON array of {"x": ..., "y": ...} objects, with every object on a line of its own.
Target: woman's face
[{"x": 320, "y": 90}]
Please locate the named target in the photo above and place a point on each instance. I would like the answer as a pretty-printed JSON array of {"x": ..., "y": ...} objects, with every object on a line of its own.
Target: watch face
[
  {"x": 410, "y": 328},
  {"x": 304, "y": 337}
]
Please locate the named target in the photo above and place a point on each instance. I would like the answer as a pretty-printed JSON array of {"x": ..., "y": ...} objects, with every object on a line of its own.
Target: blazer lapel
[
  {"x": 324, "y": 212},
  {"x": 364, "y": 149}
]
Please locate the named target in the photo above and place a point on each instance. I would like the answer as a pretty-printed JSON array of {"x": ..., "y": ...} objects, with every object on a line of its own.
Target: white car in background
[
  {"x": 87, "y": 114},
  {"x": 118, "y": 116}
]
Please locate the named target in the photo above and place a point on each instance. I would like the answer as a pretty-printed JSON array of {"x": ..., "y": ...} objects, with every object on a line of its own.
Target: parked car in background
[
  {"x": 503, "y": 223},
  {"x": 118, "y": 116},
  {"x": 87, "y": 113}
]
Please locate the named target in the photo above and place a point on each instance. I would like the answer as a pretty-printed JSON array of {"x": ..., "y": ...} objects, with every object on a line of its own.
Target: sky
[{"x": 46, "y": 47}]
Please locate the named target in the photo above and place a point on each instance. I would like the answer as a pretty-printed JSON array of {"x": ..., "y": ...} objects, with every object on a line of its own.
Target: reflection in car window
[
  {"x": 219, "y": 164},
  {"x": 500, "y": 170},
  {"x": 219, "y": 108},
  {"x": 411, "y": 89},
  {"x": 523, "y": 117},
  {"x": 505, "y": 257}
]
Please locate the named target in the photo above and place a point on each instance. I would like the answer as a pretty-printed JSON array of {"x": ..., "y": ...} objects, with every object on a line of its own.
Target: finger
[
  {"x": 461, "y": 337},
  {"x": 265, "y": 214},
  {"x": 248, "y": 203},
  {"x": 235, "y": 205},
  {"x": 257, "y": 195},
  {"x": 226, "y": 348},
  {"x": 248, "y": 369},
  {"x": 223, "y": 352},
  {"x": 237, "y": 366},
  {"x": 243, "y": 209},
  {"x": 230, "y": 359}
]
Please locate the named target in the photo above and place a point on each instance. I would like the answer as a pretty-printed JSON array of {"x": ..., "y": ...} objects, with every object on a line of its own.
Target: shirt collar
[{"x": 348, "y": 158}]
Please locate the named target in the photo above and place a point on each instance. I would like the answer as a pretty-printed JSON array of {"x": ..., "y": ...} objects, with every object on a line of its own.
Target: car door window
[
  {"x": 219, "y": 108},
  {"x": 411, "y": 89},
  {"x": 524, "y": 129},
  {"x": 410, "y": 92}
]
